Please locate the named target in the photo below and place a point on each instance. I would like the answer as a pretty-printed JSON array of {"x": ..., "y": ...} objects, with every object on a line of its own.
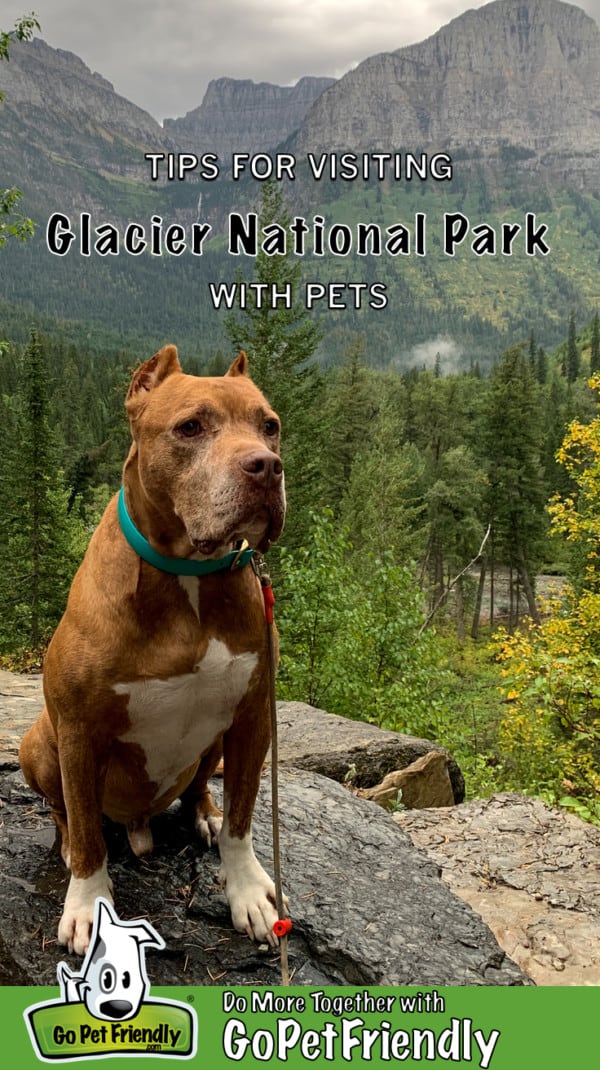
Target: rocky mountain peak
[
  {"x": 45, "y": 86},
  {"x": 511, "y": 73},
  {"x": 239, "y": 115}
]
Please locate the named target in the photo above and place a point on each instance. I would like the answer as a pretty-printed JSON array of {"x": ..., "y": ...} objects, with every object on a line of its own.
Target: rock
[
  {"x": 308, "y": 738},
  {"x": 238, "y": 115},
  {"x": 21, "y": 700},
  {"x": 336, "y": 747},
  {"x": 533, "y": 874},
  {"x": 50, "y": 89},
  {"x": 367, "y": 907},
  {"x": 422, "y": 784},
  {"x": 528, "y": 71}
]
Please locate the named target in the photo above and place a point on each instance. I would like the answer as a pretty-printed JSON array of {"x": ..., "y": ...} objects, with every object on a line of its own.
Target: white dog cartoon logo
[{"x": 113, "y": 982}]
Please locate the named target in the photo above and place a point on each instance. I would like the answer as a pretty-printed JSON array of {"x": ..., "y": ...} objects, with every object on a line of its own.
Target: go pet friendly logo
[{"x": 105, "y": 1009}]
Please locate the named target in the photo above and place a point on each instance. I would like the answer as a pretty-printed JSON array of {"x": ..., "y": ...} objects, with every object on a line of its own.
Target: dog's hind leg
[
  {"x": 207, "y": 818},
  {"x": 38, "y": 756},
  {"x": 140, "y": 838}
]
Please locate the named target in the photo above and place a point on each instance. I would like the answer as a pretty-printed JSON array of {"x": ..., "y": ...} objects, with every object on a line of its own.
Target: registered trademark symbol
[{"x": 191, "y": 999}]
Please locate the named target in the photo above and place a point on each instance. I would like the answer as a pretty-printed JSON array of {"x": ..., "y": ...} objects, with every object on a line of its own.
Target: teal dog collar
[{"x": 178, "y": 566}]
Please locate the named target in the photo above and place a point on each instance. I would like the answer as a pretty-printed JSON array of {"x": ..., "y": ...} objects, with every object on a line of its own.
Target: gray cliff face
[
  {"x": 244, "y": 116},
  {"x": 523, "y": 74},
  {"x": 68, "y": 109}
]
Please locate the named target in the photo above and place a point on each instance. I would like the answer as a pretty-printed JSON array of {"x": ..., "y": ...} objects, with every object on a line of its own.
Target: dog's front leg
[
  {"x": 83, "y": 774},
  {"x": 249, "y": 890}
]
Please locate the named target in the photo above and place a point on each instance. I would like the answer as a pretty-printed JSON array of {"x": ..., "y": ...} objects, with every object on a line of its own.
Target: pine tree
[
  {"x": 517, "y": 495},
  {"x": 350, "y": 405},
  {"x": 595, "y": 346},
  {"x": 573, "y": 358},
  {"x": 541, "y": 367},
  {"x": 280, "y": 342},
  {"x": 40, "y": 543}
]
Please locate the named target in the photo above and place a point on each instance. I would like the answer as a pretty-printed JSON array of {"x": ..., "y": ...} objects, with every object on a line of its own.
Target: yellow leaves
[{"x": 549, "y": 730}]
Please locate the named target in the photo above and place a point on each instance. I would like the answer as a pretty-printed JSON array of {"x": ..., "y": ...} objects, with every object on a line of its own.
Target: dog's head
[{"x": 206, "y": 450}]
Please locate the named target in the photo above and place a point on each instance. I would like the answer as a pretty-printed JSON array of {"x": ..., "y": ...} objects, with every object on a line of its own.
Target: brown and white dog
[{"x": 151, "y": 676}]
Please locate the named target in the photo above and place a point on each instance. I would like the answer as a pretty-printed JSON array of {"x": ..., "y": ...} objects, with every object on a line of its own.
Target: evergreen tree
[
  {"x": 573, "y": 358},
  {"x": 383, "y": 504},
  {"x": 350, "y": 406},
  {"x": 541, "y": 366},
  {"x": 280, "y": 339},
  {"x": 595, "y": 346},
  {"x": 39, "y": 542},
  {"x": 455, "y": 509},
  {"x": 513, "y": 441}
]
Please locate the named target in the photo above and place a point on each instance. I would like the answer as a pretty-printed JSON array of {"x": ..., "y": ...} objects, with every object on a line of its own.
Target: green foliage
[
  {"x": 514, "y": 447},
  {"x": 12, "y": 223},
  {"x": 380, "y": 488},
  {"x": 350, "y": 634},
  {"x": 23, "y": 31},
  {"x": 552, "y": 731}
]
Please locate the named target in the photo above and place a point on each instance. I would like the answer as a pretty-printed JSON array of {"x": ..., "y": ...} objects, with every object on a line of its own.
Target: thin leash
[{"x": 283, "y": 925}]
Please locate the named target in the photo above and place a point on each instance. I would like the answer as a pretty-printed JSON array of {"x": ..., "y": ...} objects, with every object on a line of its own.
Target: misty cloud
[{"x": 450, "y": 353}]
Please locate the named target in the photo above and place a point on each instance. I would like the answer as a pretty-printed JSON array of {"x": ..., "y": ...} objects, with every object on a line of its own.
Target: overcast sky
[{"x": 161, "y": 54}]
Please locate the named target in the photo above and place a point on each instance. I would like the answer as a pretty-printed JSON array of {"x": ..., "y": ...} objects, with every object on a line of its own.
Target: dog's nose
[
  {"x": 116, "y": 1008},
  {"x": 262, "y": 466}
]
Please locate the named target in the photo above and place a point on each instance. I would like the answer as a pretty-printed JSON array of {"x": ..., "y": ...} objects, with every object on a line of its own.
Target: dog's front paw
[
  {"x": 251, "y": 897},
  {"x": 75, "y": 926}
]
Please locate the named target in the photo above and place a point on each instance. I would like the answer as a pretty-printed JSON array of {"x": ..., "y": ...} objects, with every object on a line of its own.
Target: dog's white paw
[
  {"x": 251, "y": 896},
  {"x": 75, "y": 926}
]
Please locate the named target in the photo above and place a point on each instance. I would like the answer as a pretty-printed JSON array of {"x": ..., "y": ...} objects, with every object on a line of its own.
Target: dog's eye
[
  {"x": 126, "y": 979},
  {"x": 271, "y": 427},
  {"x": 190, "y": 428},
  {"x": 108, "y": 978}
]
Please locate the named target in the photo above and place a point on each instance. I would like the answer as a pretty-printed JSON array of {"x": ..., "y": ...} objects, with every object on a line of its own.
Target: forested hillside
[{"x": 396, "y": 483}]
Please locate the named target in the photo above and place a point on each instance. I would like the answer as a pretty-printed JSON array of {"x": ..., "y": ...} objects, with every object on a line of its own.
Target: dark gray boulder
[{"x": 367, "y": 906}]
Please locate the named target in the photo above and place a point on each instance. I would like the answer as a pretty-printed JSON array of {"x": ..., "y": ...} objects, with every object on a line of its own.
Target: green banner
[{"x": 502, "y": 1028}]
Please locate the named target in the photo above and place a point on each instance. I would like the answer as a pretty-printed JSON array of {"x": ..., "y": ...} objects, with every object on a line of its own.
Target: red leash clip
[{"x": 282, "y": 927}]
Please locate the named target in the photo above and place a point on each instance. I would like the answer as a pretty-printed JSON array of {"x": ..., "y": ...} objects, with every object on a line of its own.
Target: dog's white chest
[{"x": 176, "y": 720}]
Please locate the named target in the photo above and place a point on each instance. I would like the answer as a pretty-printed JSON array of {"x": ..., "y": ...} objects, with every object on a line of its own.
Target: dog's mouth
[{"x": 260, "y": 533}]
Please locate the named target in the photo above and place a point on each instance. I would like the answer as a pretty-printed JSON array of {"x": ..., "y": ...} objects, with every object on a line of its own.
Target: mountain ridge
[
  {"x": 73, "y": 145},
  {"x": 241, "y": 115},
  {"x": 521, "y": 74}
]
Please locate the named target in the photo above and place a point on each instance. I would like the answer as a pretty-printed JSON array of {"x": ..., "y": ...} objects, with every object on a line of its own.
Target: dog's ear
[
  {"x": 149, "y": 375},
  {"x": 240, "y": 365}
]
